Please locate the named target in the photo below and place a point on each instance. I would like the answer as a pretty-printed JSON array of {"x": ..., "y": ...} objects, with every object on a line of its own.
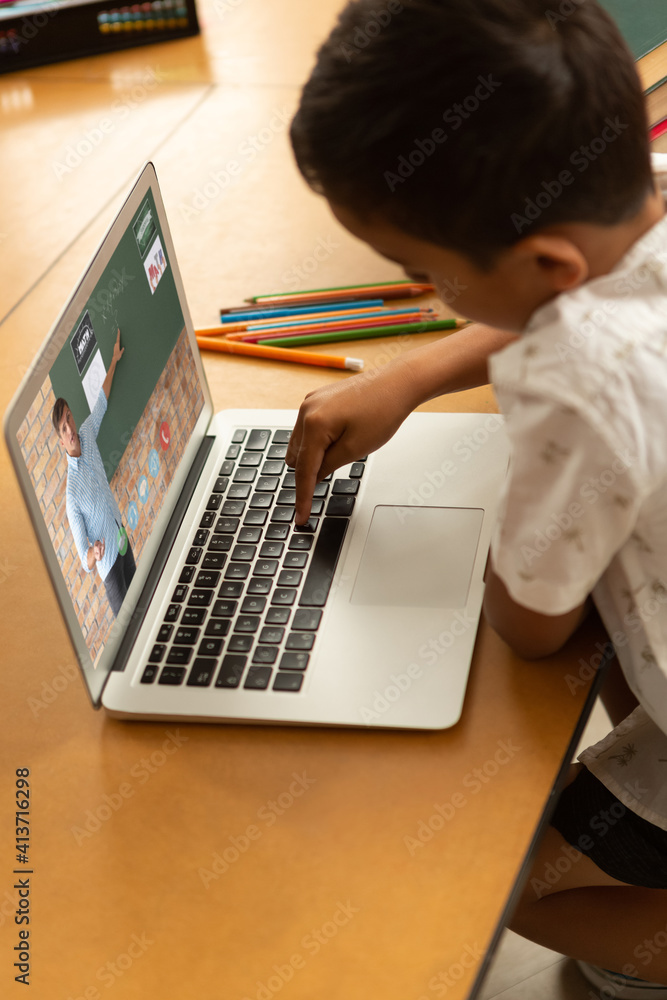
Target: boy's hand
[{"x": 340, "y": 423}]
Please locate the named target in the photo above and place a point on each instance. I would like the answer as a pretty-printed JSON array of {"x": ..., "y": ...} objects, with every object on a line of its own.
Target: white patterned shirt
[
  {"x": 92, "y": 510},
  {"x": 584, "y": 511}
]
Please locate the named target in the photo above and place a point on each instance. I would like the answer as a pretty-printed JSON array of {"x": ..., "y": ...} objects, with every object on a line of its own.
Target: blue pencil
[{"x": 251, "y": 312}]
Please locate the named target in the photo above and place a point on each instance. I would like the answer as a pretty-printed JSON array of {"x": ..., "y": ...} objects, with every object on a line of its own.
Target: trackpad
[{"x": 418, "y": 557}]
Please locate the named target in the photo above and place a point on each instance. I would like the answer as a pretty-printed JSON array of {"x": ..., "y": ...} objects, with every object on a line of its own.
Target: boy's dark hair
[
  {"x": 471, "y": 123},
  {"x": 58, "y": 412}
]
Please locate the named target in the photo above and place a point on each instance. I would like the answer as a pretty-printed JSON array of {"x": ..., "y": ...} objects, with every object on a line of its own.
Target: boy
[{"x": 498, "y": 148}]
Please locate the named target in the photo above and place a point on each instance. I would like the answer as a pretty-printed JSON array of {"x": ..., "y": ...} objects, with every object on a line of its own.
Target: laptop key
[
  {"x": 249, "y": 536},
  {"x": 294, "y": 661},
  {"x": 295, "y": 560},
  {"x": 278, "y": 616},
  {"x": 239, "y": 491},
  {"x": 179, "y": 655},
  {"x": 252, "y": 459},
  {"x": 150, "y": 673},
  {"x": 345, "y": 487},
  {"x": 180, "y": 593},
  {"x": 289, "y": 578},
  {"x": 301, "y": 542},
  {"x": 253, "y": 605},
  {"x": 209, "y": 647},
  {"x": 230, "y": 588},
  {"x": 339, "y": 506},
  {"x": 200, "y": 598},
  {"x": 300, "y": 640},
  {"x": 233, "y": 451},
  {"x": 276, "y": 451},
  {"x": 172, "y": 675},
  {"x": 258, "y": 678},
  {"x": 237, "y": 571},
  {"x": 240, "y": 643},
  {"x": 224, "y": 609},
  {"x": 267, "y": 484},
  {"x": 222, "y": 542},
  {"x": 218, "y": 627},
  {"x": 186, "y": 574},
  {"x": 231, "y": 671},
  {"x": 246, "y": 623},
  {"x": 282, "y": 514},
  {"x": 277, "y": 532},
  {"x": 208, "y": 517},
  {"x": 193, "y": 616},
  {"x": 157, "y": 653},
  {"x": 245, "y": 474},
  {"x": 307, "y": 619},
  {"x": 271, "y": 634},
  {"x": 273, "y": 468},
  {"x": 258, "y": 440},
  {"x": 232, "y": 508},
  {"x": 201, "y": 537},
  {"x": 265, "y": 654},
  {"x": 266, "y": 567},
  {"x": 221, "y": 484},
  {"x": 310, "y": 526},
  {"x": 213, "y": 560},
  {"x": 271, "y": 550},
  {"x": 260, "y": 585},
  {"x": 202, "y": 672},
  {"x": 194, "y": 555},
  {"x": 261, "y": 501},
  {"x": 323, "y": 562},
  {"x": 283, "y": 596},
  {"x": 186, "y": 635},
  {"x": 165, "y": 633},
  {"x": 214, "y": 501},
  {"x": 226, "y": 468},
  {"x": 357, "y": 470},
  {"x": 281, "y": 436},
  {"x": 256, "y": 517},
  {"x": 207, "y": 578},
  {"x": 287, "y": 681},
  {"x": 244, "y": 553},
  {"x": 227, "y": 525},
  {"x": 238, "y": 437}
]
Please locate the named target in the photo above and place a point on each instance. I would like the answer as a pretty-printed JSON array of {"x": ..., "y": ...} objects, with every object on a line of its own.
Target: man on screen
[{"x": 92, "y": 510}]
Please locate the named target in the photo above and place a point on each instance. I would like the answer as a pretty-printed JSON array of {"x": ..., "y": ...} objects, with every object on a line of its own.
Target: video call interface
[{"x": 108, "y": 428}]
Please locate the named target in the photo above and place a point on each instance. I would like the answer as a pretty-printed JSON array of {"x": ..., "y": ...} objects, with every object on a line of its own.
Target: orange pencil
[{"x": 278, "y": 353}]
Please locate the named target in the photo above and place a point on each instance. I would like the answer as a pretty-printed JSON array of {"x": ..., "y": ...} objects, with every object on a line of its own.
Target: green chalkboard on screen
[
  {"x": 642, "y": 22},
  {"x": 137, "y": 295}
]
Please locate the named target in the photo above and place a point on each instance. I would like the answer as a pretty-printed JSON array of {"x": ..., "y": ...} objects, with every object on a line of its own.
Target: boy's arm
[
  {"x": 529, "y": 634},
  {"x": 340, "y": 423}
]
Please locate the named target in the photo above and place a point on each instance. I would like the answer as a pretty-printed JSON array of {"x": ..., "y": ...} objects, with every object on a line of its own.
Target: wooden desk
[{"x": 234, "y": 862}]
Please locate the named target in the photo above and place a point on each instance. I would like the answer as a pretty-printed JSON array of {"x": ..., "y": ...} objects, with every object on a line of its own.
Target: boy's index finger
[{"x": 306, "y": 469}]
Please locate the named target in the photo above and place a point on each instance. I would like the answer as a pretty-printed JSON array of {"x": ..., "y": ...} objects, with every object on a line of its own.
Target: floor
[{"x": 522, "y": 970}]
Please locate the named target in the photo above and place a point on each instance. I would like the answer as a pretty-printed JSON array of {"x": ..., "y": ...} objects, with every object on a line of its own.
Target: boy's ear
[{"x": 554, "y": 260}]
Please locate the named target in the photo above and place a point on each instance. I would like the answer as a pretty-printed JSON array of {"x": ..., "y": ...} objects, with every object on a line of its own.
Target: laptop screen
[{"x": 106, "y": 428}]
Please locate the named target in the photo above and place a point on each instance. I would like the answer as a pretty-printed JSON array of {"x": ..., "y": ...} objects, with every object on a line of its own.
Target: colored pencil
[
  {"x": 278, "y": 354},
  {"x": 313, "y": 319},
  {"x": 389, "y": 289},
  {"x": 364, "y": 334},
  {"x": 249, "y": 312},
  {"x": 253, "y": 336}
]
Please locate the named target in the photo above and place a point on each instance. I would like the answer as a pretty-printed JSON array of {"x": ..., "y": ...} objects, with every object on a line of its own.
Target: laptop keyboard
[{"x": 249, "y": 601}]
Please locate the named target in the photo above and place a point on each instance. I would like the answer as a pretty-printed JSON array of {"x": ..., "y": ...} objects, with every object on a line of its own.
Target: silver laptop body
[{"x": 371, "y": 621}]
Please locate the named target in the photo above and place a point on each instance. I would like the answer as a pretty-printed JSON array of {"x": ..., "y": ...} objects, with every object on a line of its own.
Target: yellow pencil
[{"x": 279, "y": 353}]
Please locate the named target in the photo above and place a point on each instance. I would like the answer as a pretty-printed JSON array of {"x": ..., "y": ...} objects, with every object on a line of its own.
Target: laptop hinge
[{"x": 137, "y": 618}]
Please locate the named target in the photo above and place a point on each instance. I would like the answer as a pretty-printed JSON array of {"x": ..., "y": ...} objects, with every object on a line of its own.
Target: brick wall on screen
[{"x": 176, "y": 400}]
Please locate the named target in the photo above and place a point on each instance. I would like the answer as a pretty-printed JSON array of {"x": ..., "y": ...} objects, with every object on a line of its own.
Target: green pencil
[{"x": 364, "y": 333}]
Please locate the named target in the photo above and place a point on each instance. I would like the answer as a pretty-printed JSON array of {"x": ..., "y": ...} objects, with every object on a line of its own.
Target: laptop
[{"x": 203, "y": 601}]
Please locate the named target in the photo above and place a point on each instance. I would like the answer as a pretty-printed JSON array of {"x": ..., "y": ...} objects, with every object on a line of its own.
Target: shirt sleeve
[
  {"x": 570, "y": 503},
  {"x": 80, "y": 534},
  {"x": 98, "y": 411}
]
